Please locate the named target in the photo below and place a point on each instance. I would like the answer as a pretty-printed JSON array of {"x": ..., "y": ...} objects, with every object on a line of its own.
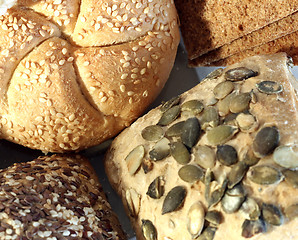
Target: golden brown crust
[
  {"x": 62, "y": 92},
  {"x": 278, "y": 110},
  {"x": 55, "y": 197}
]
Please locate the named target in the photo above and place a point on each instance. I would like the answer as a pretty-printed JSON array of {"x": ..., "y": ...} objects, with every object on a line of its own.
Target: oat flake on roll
[{"x": 210, "y": 163}]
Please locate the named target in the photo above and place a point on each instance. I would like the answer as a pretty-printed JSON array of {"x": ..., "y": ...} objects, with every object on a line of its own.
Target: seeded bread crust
[
  {"x": 279, "y": 110},
  {"x": 75, "y": 73},
  {"x": 55, "y": 198}
]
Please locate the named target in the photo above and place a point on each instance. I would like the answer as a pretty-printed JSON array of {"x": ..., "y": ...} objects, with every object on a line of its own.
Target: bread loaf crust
[
  {"x": 269, "y": 110},
  {"x": 70, "y": 80}
]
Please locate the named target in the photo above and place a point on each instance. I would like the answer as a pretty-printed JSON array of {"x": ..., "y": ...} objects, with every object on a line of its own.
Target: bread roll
[
  {"x": 57, "y": 197},
  {"x": 75, "y": 73},
  {"x": 218, "y": 162}
]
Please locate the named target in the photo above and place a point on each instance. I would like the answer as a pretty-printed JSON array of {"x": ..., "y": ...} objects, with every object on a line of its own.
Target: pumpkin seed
[
  {"x": 291, "y": 177},
  {"x": 222, "y": 89},
  {"x": 230, "y": 119},
  {"x": 149, "y": 230},
  {"x": 210, "y": 118},
  {"x": 195, "y": 219},
  {"x": 204, "y": 156},
  {"x": 152, "y": 133},
  {"x": 250, "y": 159},
  {"x": 264, "y": 175},
  {"x": 207, "y": 234},
  {"x": 133, "y": 200},
  {"x": 272, "y": 214},
  {"x": 156, "y": 188},
  {"x": 214, "y": 74},
  {"x": 237, "y": 173},
  {"x": 179, "y": 152},
  {"x": 175, "y": 130},
  {"x": 285, "y": 156},
  {"x": 191, "y": 132},
  {"x": 266, "y": 140},
  {"x": 211, "y": 101},
  {"x": 221, "y": 134},
  {"x": 223, "y": 105},
  {"x": 239, "y": 73},
  {"x": 169, "y": 116},
  {"x": 253, "y": 227},
  {"x": 191, "y": 173},
  {"x": 217, "y": 194},
  {"x": 291, "y": 212},
  {"x": 214, "y": 218},
  {"x": 161, "y": 150},
  {"x": 250, "y": 209},
  {"x": 207, "y": 181},
  {"x": 170, "y": 103},
  {"x": 174, "y": 199},
  {"x": 227, "y": 155},
  {"x": 194, "y": 106},
  {"x": 246, "y": 122},
  {"x": 233, "y": 199},
  {"x": 269, "y": 87},
  {"x": 240, "y": 103},
  {"x": 147, "y": 165},
  {"x": 134, "y": 159}
]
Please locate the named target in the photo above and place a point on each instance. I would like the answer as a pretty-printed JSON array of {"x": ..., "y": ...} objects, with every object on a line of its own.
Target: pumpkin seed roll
[
  {"x": 55, "y": 198},
  {"x": 217, "y": 162}
]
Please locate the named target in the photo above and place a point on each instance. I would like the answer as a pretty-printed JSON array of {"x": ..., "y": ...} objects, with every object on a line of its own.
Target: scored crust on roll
[
  {"x": 55, "y": 198},
  {"x": 75, "y": 73},
  {"x": 217, "y": 162}
]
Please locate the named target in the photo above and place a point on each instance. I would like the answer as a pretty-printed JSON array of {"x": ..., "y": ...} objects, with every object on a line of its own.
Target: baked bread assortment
[
  {"x": 217, "y": 162},
  {"x": 214, "y": 31},
  {"x": 55, "y": 198},
  {"x": 75, "y": 73}
]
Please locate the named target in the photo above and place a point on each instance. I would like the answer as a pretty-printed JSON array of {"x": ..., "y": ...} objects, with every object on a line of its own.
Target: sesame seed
[
  {"x": 124, "y": 76},
  {"x": 122, "y": 88}
]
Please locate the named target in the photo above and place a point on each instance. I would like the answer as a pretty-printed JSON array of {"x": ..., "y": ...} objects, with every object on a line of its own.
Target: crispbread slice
[
  {"x": 266, "y": 34},
  {"x": 209, "y": 24}
]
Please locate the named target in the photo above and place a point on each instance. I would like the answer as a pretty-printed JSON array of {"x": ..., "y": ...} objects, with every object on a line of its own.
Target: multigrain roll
[
  {"x": 75, "y": 73},
  {"x": 55, "y": 198},
  {"x": 218, "y": 162}
]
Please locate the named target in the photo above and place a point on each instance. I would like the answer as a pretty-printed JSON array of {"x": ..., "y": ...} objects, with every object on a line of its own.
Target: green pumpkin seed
[
  {"x": 253, "y": 227},
  {"x": 147, "y": 165},
  {"x": 207, "y": 234},
  {"x": 266, "y": 140},
  {"x": 291, "y": 177},
  {"x": 169, "y": 104},
  {"x": 175, "y": 130},
  {"x": 236, "y": 174},
  {"x": 180, "y": 153},
  {"x": 233, "y": 199},
  {"x": 156, "y": 188},
  {"x": 239, "y": 73},
  {"x": 264, "y": 175},
  {"x": 223, "y": 105},
  {"x": 149, "y": 230},
  {"x": 286, "y": 156},
  {"x": 240, "y": 103},
  {"x": 207, "y": 181},
  {"x": 250, "y": 209},
  {"x": 174, "y": 199},
  {"x": 194, "y": 106},
  {"x": 161, "y": 150},
  {"x": 214, "y": 218},
  {"x": 269, "y": 87},
  {"x": 214, "y": 74},
  {"x": 195, "y": 219},
  {"x": 250, "y": 159},
  {"x": 230, "y": 119},
  {"x": 152, "y": 133},
  {"x": 291, "y": 212},
  {"x": 227, "y": 155},
  {"x": 222, "y": 89},
  {"x": 169, "y": 116},
  {"x": 191, "y": 132},
  {"x": 191, "y": 173},
  {"x": 246, "y": 122},
  {"x": 272, "y": 214},
  {"x": 210, "y": 118},
  {"x": 133, "y": 200},
  {"x": 221, "y": 134},
  {"x": 134, "y": 159},
  {"x": 204, "y": 156},
  {"x": 217, "y": 194}
]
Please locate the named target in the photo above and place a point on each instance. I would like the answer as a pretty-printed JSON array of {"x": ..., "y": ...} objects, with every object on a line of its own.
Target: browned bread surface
[
  {"x": 57, "y": 197},
  {"x": 232, "y": 181},
  {"x": 209, "y": 24},
  {"x": 75, "y": 73}
]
